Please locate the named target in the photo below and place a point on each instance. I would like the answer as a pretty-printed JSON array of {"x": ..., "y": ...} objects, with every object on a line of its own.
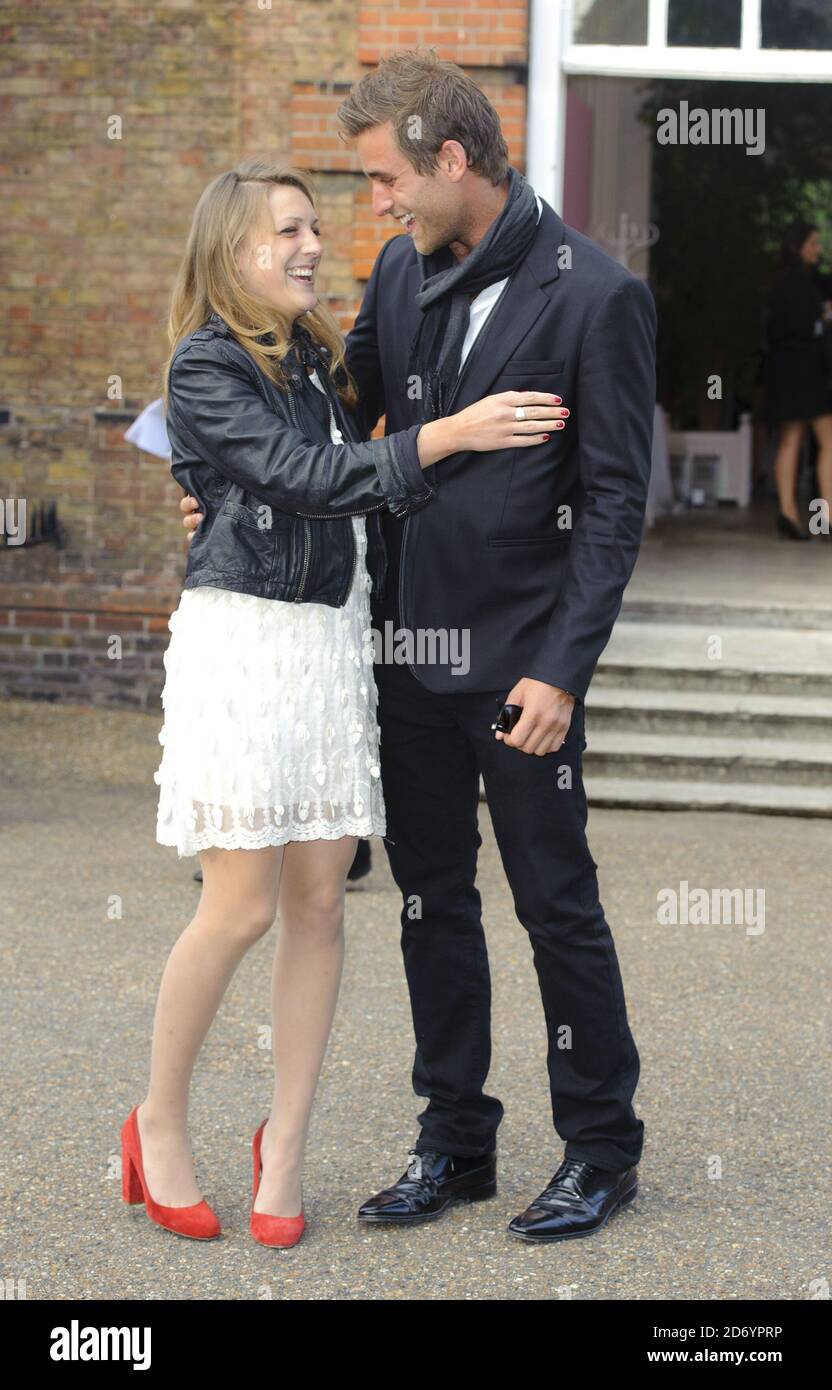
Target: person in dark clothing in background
[{"x": 797, "y": 369}]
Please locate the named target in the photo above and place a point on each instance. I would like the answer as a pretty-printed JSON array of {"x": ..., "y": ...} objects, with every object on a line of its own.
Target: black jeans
[{"x": 433, "y": 749}]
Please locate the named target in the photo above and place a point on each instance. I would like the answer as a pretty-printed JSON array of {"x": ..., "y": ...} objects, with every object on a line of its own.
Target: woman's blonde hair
[{"x": 209, "y": 279}]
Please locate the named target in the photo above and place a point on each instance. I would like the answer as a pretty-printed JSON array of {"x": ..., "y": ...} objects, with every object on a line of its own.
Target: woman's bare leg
[
  {"x": 785, "y": 467},
  {"x": 307, "y": 972},
  {"x": 822, "y": 427},
  {"x": 237, "y": 906}
]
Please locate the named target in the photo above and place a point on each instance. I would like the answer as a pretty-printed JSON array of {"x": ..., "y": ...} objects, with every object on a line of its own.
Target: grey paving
[{"x": 730, "y": 1026}]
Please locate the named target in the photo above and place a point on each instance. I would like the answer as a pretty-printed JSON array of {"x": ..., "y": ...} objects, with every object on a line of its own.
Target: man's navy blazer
[{"x": 529, "y": 549}]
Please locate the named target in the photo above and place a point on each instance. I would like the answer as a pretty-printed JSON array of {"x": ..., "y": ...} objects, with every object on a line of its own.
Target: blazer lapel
[{"x": 511, "y": 319}]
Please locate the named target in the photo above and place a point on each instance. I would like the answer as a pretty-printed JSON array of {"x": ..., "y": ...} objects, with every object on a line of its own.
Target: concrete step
[
  {"x": 727, "y": 613},
  {"x": 678, "y": 720},
  {"x": 649, "y": 794},
  {"x": 755, "y": 798},
  {"x": 746, "y": 660},
  {"x": 716, "y": 758},
  {"x": 708, "y": 712}
]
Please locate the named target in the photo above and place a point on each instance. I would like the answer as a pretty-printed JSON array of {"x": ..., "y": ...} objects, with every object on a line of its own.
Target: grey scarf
[{"x": 448, "y": 286}]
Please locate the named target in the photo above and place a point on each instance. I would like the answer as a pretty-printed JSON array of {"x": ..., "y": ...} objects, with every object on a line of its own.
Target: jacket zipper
[
  {"x": 333, "y": 516},
  {"x": 307, "y": 551}
]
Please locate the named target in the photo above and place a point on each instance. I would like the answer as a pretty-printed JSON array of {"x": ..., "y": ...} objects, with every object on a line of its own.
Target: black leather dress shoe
[
  {"x": 580, "y": 1199},
  {"x": 432, "y": 1183}
]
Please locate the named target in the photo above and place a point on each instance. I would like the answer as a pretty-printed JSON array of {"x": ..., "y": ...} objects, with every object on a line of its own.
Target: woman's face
[
  {"x": 279, "y": 258},
  {"x": 812, "y": 250}
]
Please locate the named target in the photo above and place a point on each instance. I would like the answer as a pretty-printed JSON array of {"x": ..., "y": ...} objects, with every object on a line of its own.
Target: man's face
[{"x": 429, "y": 207}]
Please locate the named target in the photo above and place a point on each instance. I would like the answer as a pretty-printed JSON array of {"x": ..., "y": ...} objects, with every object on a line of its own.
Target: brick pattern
[
  {"x": 317, "y": 146},
  {"x": 119, "y": 573},
  {"x": 92, "y": 233},
  {"x": 93, "y": 225},
  {"x": 468, "y": 32},
  {"x": 369, "y": 233},
  {"x": 112, "y": 658}
]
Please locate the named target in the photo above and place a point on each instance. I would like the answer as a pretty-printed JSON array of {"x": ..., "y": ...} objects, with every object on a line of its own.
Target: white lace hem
[
  {"x": 202, "y": 825},
  {"x": 261, "y": 839}
]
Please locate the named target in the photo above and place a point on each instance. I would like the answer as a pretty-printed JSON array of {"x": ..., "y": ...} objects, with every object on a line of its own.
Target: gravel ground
[{"x": 730, "y": 1026}]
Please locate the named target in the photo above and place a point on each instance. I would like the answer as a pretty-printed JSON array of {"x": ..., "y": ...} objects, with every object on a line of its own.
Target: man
[{"x": 525, "y": 554}]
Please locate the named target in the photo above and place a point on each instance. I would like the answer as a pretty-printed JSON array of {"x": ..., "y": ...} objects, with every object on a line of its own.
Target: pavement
[
  {"x": 730, "y": 1025},
  {"x": 732, "y": 561}
]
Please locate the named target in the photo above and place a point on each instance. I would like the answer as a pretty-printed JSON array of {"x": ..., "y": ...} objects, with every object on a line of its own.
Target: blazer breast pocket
[{"x": 533, "y": 366}]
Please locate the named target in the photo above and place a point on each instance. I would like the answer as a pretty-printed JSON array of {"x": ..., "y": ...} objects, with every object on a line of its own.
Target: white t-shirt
[{"x": 483, "y": 304}]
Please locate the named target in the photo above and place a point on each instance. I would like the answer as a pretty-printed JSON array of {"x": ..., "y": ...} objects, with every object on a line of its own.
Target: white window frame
[{"x": 748, "y": 63}]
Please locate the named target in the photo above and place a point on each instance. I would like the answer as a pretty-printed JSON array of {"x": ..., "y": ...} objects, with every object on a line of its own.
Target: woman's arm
[{"x": 217, "y": 414}]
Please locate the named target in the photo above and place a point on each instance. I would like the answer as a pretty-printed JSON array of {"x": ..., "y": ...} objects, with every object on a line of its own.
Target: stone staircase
[{"x": 707, "y": 707}]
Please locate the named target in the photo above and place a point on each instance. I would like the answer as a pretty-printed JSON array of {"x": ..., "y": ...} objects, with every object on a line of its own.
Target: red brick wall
[{"x": 92, "y": 232}]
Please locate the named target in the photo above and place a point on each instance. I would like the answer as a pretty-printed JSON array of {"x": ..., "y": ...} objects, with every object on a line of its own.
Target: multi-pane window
[
  {"x": 792, "y": 25},
  {"x": 610, "y": 21},
  {"x": 704, "y": 23},
  {"x": 796, "y": 24}
]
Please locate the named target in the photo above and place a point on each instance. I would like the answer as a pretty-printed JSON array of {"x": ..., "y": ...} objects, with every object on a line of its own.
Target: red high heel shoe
[
  {"x": 281, "y": 1231},
  {"x": 197, "y": 1221}
]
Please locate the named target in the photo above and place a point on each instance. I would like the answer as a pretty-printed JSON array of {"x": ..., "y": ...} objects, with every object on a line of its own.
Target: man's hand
[
  {"x": 192, "y": 515},
  {"x": 544, "y": 723}
]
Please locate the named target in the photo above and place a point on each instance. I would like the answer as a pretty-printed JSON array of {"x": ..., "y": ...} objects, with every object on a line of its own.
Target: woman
[
  {"x": 797, "y": 371},
  {"x": 270, "y": 764}
]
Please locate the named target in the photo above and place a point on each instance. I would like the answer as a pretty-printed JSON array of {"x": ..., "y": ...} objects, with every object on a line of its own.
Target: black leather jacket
[{"x": 277, "y": 495}]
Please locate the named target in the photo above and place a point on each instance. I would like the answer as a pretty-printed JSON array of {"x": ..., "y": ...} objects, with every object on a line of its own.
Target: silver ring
[{"x": 519, "y": 413}]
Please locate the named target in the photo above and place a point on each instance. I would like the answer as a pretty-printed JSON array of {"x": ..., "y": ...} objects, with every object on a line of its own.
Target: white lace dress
[{"x": 270, "y": 731}]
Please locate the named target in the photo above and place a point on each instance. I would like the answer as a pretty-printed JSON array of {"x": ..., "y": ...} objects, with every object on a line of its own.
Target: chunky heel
[
  {"x": 255, "y": 1154},
  {"x": 628, "y": 1196},
  {"x": 197, "y": 1221},
  {"x": 131, "y": 1187}
]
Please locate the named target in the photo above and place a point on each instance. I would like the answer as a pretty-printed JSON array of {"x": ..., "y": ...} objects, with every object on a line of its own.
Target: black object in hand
[{"x": 507, "y": 718}]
